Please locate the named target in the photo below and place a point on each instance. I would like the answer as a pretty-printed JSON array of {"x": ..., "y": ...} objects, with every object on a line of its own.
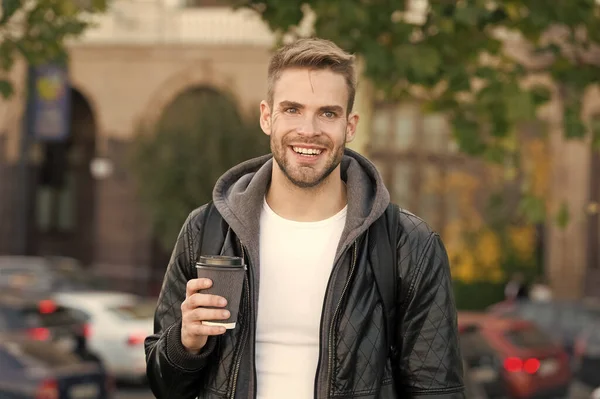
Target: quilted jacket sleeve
[
  {"x": 429, "y": 363},
  {"x": 172, "y": 371}
]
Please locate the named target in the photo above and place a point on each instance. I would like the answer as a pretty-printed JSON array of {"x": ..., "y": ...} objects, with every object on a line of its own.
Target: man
[{"x": 312, "y": 324}]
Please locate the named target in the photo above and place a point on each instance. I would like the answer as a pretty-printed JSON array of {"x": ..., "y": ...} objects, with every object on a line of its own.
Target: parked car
[
  {"x": 533, "y": 364},
  {"x": 587, "y": 356},
  {"x": 473, "y": 389},
  {"x": 47, "y": 275},
  {"x": 483, "y": 367},
  {"x": 39, "y": 370},
  {"x": 562, "y": 320},
  {"x": 119, "y": 325},
  {"x": 42, "y": 319}
]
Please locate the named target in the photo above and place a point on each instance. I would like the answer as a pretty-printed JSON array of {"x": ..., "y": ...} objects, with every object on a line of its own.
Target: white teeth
[{"x": 306, "y": 151}]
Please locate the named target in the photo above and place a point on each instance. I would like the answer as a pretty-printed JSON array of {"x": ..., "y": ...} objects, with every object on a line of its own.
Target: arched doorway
[
  {"x": 206, "y": 130},
  {"x": 63, "y": 194}
]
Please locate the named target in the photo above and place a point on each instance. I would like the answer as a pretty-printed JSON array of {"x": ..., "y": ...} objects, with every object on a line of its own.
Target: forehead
[{"x": 311, "y": 87}]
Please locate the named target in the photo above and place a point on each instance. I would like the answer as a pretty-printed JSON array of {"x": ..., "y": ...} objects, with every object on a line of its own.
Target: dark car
[
  {"x": 41, "y": 319},
  {"x": 47, "y": 275},
  {"x": 562, "y": 320},
  {"x": 483, "y": 368},
  {"x": 473, "y": 389},
  {"x": 36, "y": 370},
  {"x": 587, "y": 356}
]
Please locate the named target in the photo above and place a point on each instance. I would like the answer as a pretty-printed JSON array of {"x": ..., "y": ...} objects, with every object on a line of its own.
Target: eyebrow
[{"x": 329, "y": 108}]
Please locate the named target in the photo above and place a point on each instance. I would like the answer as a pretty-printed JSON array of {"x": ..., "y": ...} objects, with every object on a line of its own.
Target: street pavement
[
  {"x": 133, "y": 392},
  {"x": 578, "y": 391}
]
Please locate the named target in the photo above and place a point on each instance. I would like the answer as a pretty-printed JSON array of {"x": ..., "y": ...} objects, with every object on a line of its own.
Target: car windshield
[
  {"x": 141, "y": 310},
  {"x": 529, "y": 337}
]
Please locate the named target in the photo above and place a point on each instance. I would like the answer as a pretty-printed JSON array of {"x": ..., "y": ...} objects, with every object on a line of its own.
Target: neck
[{"x": 306, "y": 204}]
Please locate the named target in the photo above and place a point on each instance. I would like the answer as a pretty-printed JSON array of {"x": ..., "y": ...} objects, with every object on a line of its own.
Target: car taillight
[
  {"x": 47, "y": 306},
  {"x": 135, "y": 339},
  {"x": 516, "y": 365},
  {"x": 531, "y": 366},
  {"x": 39, "y": 333},
  {"x": 87, "y": 330},
  {"x": 47, "y": 390},
  {"x": 513, "y": 364}
]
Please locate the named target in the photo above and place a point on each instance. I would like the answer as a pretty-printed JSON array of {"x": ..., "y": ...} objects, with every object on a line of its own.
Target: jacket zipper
[
  {"x": 244, "y": 333},
  {"x": 332, "y": 326}
]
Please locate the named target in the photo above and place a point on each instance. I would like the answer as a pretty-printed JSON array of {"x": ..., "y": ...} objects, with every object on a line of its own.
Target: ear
[
  {"x": 351, "y": 126},
  {"x": 265, "y": 117}
]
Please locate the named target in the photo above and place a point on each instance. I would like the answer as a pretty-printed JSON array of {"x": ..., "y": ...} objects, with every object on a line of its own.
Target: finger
[
  {"x": 201, "y": 314},
  {"x": 205, "y": 300},
  {"x": 196, "y": 285},
  {"x": 201, "y": 329}
]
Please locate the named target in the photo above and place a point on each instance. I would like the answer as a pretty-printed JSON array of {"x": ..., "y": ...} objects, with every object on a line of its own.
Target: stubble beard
[{"x": 306, "y": 179}]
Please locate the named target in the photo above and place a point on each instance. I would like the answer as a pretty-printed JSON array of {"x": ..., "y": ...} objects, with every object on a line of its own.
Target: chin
[{"x": 303, "y": 180}]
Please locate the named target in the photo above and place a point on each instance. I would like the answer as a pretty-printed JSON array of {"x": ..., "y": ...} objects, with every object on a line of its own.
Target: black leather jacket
[{"x": 354, "y": 360}]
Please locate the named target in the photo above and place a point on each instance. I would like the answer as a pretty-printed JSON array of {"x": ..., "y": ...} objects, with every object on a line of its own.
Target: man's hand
[{"x": 194, "y": 310}]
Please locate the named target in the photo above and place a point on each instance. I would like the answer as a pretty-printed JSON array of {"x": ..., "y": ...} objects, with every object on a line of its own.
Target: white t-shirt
[{"x": 296, "y": 259}]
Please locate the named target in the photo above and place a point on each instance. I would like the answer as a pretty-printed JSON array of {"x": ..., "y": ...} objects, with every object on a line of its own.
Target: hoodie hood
[{"x": 240, "y": 192}]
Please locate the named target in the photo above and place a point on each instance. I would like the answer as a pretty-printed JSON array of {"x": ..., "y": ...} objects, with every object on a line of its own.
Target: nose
[{"x": 308, "y": 126}]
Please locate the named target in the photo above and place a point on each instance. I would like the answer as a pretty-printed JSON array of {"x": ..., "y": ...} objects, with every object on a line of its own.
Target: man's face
[{"x": 309, "y": 124}]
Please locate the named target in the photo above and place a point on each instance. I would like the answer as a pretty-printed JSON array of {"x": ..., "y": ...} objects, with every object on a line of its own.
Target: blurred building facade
[{"x": 143, "y": 54}]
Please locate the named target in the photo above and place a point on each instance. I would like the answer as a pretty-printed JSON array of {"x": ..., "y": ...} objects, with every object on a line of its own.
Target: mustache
[{"x": 318, "y": 141}]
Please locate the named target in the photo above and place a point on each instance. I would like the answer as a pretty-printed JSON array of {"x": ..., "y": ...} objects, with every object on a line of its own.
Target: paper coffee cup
[{"x": 227, "y": 274}]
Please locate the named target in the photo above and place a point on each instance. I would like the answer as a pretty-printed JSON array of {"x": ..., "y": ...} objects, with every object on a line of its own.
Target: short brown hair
[{"x": 313, "y": 53}]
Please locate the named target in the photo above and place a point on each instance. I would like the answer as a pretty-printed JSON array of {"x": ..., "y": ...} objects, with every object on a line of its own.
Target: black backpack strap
[
  {"x": 214, "y": 230},
  {"x": 384, "y": 235}
]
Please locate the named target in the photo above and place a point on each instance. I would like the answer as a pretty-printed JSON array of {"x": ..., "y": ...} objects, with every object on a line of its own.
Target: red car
[{"x": 533, "y": 365}]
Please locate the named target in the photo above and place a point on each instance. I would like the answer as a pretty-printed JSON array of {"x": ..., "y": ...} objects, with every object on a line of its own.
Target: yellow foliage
[
  {"x": 478, "y": 261},
  {"x": 537, "y": 165},
  {"x": 522, "y": 240},
  {"x": 488, "y": 249},
  {"x": 464, "y": 267}
]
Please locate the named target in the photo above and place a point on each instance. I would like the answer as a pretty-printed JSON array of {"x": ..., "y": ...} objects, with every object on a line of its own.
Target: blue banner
[{"x": 50, "y": 102}]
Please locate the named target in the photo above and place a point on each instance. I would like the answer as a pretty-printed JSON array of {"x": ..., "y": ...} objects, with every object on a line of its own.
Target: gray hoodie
[{"x": 239, "y": 195}]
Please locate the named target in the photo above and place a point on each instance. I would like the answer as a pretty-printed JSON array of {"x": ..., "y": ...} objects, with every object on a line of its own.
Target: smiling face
[{"x": 309, "y": 124}]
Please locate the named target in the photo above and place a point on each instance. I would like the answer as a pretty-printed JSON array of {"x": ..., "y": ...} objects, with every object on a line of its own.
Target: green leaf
[
  {"x": 486, "y": 73},
  {"x": 495, "y": 154},
  {"x": 563, "y": 216},
  {"x": 7, "y": 54},
  {"x": 540, "y": 95},
  {"x": 500, "y": 125},
  {"x": 533, "y": 208},
  {"x": 468, "y": 136},
  {"x": 573, "y": 125},
  {"x": 466, "y": 14},
  {"x": 6, "y": 88},
  {"x": 519, "y": 104},
  {"x": 595, "y": 130},
  {"x": 459, "y": 80},
  {"x": 424, "y": 62},
  {"x": 9, "y": 8}
]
